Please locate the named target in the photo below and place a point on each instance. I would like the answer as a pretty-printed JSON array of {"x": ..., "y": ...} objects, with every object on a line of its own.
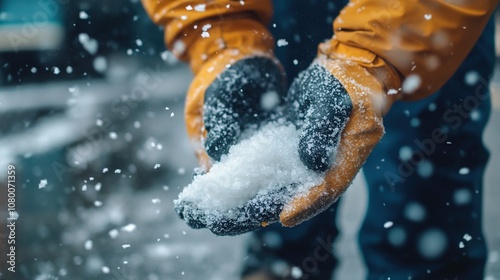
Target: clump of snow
[{"x": 249, "y": 185}]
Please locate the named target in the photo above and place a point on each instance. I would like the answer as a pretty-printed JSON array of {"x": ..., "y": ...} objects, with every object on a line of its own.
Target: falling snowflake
[
  {"x": 42, "y": 183},
  {"x": 83, "y": 15},
  {"x": 129, "y": 227},
  {"x": 282, "y": 43}
]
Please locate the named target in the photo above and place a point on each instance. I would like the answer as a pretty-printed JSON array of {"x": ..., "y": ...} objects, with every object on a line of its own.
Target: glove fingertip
[
  {"x": 316, "y": 154},
  {"x": 219, "y": 141}
]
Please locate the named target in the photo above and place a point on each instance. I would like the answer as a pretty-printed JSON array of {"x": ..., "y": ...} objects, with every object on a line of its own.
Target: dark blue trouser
[{"x": 425, "y": 176}]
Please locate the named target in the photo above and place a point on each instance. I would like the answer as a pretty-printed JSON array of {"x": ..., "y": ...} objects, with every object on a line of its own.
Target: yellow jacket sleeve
[
  {"x": 196, "y": 30},
  {"x": 393, "y": 40}
]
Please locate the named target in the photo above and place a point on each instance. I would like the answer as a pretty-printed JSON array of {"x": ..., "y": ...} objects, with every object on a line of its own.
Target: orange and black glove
[
  {"x": 230, "y": 51},
  {"x": 381, "y": 52},
  {"x": 236, "y": 100},
  {"x": 237, "y": 84}
]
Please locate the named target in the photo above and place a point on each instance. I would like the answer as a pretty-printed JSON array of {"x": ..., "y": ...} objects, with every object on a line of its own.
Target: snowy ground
[{"x": 110, "y": 216}]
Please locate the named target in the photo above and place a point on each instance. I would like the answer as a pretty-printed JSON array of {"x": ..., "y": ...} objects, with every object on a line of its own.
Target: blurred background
[{"x": 91, "y": 109}]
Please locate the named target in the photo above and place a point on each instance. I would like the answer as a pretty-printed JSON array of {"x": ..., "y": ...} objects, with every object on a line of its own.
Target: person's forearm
[
  {"x": 196, "y": 30},
  {"x": 397, "y": 39}
]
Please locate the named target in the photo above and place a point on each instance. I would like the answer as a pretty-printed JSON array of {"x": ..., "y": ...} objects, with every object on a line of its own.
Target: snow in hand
[{"x": 250, "y": 185}]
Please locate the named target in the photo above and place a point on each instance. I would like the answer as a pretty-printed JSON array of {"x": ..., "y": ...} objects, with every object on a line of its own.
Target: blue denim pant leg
[
  {"x": 276, "y": 249},
  {"x": 425, "y": 180},
  {"x": 303, "y": 24}
]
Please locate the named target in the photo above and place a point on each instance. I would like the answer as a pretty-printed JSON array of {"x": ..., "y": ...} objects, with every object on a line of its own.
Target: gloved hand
[
  {"x": 337, "y": 105},
  {"x": 237, "y": 83},
  {"x": 361, "y": 71},
  {"x": 230, "y": 52},
  {"x": 232, "y": 91},
  {"x": 243, "y": 95}
]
